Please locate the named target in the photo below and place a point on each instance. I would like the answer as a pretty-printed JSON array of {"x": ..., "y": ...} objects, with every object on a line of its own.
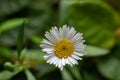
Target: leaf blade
[{"x": 29, "y": 75}]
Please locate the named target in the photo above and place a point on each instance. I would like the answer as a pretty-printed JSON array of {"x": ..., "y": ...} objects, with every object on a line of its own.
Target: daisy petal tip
[{"x": 61, "y": 68}]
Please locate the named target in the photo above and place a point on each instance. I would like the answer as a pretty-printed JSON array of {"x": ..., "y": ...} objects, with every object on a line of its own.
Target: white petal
[
  {"x": 79, "y": 47},
  {"x": 76, "y": 57},
  {"x": 55, "y": 62},
  {"x": 50, "y": 37},
  {"x": 73, "y": 61},
  {"x": 60, "y": 63},
  {"x": 46, "y": 42},
  {"x": 48, "y": 56},
  {"x": 68, "y": 62},
  {"x": 78, "y": 41},
  {"x": 79, "y": 53},
  {"x": 52, "y": 60},
  {"x": 76, "y": 37},
  {"x": 64, "y": 32},
  {"x": 61, "y": 68},
  {"x": 71, "y": 33},
  {"x": 47, "y": 49},
  {"x": 60, "y": 31},
  {"x": 63, "y": 61},
  {"x": 50, "y": 52},
  {"x": 46, "y": 46},
  {"x": 55, "y": 33}
]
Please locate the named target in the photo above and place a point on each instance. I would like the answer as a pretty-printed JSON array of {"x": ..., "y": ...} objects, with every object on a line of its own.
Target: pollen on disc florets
[{"x": 63, "y": 48}]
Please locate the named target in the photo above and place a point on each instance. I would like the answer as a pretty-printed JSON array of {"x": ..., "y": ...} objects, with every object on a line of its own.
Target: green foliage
[
  {"x": 96, "y": 20},
  {"x": 10, "y": 24},
  {"x": 110, "y": 68},
  {"x": 95, "y": 51},
  {"x": 24, "y": 22},
  {"x": 36, "y": 39},
  {"x": 44, "y": 69},
  {"x": 66, "y": 75},
  {"x": 6, "y": 75},
  {"x": 5, "y": 52},
  {"x": 29, "y": 75},
  {"x": 75, "y": 72},
  {"x": 20, "y": 39},
  {"x": 36, "y": 55}
]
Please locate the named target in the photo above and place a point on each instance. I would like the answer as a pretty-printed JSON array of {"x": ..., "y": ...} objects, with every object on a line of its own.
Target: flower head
[{"x": 63, "y": 46}]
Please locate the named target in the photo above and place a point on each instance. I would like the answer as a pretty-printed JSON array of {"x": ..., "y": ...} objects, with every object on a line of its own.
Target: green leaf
[
  {"x": 66, "y": 75},
  {"x": 44, "y": 69},
  {"x": 10, "y": 24},
  {"x": 63, "y": 9},
  {"x": 6, "y": 75},
  {"x": 20, "y": 39},
  {"x": 4, "y": 52},
  {"x": 8, "y": 54},
  {"x": 95, "y": 51},
  {"x": 29, "y": 75},
  {"x": 35, "y": 55},
  {"x": 75, "y": 72},
  {"x": 36, "y": 39},
  {"x": 22, "y": 55},
  {"x": 109, "y": 68},
  {"x": 87, "y": 17}
]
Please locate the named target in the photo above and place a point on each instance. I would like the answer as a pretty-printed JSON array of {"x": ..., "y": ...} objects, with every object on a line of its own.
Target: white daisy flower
[{"x": 63, "y": 46}]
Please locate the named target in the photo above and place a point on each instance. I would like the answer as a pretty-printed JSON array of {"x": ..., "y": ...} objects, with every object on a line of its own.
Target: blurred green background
[{"x": 24, "y": 22}]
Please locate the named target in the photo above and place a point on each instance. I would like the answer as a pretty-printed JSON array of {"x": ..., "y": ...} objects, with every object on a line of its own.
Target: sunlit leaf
[
  {"x": 75, "y": 72},
  {"x": 95, "y": 51},
  {"x": 66, "y": 75},
  {"x": 10, "y": 24},
  {"x": 29, "y": 75},
  {"x": 36, "y": 39}
]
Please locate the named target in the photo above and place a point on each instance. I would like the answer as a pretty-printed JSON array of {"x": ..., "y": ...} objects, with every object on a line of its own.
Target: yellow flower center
[{"x": 63, "y": 48}]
